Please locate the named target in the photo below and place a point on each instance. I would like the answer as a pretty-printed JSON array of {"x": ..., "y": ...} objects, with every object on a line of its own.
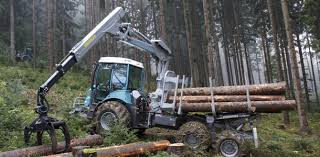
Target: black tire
[
  {"x": 24, "y": 58},
  {"x": 194, "y": 134},
  {"x": 229, "y": 144},
  {"x": 113, "y": 109}
]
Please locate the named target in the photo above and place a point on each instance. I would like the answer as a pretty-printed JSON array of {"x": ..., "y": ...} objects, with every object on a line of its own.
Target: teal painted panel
[{"x": 123, "y": 95}]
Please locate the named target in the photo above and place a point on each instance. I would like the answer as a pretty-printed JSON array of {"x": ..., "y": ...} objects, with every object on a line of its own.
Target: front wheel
[{"x": 108, "y": 114}]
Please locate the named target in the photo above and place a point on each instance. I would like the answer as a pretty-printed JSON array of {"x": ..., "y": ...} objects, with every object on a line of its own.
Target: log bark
[
  {"x": 261, "y": 89},
  {"x": 132, "y": 149},
  {"x": 46, "y": 149},
  {"x": 227, "y": 98},
  {"x": 240, "y": 107}
]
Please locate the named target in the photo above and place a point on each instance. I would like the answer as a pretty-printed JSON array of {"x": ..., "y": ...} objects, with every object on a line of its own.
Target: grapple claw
[{"x": 50, "y": 125}]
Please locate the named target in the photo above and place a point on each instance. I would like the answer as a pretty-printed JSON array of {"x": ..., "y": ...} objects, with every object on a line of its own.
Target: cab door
[{"x": 102, "y": 81}]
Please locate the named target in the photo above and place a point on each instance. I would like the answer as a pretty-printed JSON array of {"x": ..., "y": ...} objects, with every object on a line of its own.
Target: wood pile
[{"x": 263, "y": 98}]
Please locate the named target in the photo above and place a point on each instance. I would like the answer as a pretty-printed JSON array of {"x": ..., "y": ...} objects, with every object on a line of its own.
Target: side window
[
  {"x": 103, "y": 74},
  {"x": 119, "y": 76},
  {"x": 134, "y": 80}
]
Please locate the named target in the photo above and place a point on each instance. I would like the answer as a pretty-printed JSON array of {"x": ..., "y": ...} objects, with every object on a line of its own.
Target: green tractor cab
[
  {"x": 116, "y": 78},
  {"x": 116, "y": 84}
]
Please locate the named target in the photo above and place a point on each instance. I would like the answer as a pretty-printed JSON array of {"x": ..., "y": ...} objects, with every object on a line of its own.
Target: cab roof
[{"x": 120, "y": 60}]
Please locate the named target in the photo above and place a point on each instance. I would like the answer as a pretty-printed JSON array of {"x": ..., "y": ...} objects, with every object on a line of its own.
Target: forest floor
[{"x": 17, "y": 99}]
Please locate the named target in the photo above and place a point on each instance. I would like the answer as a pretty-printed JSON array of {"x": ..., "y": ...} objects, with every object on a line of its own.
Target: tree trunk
[
  {"x": 218, "y": 72},
  {"x": 91, "y": 25},
  {"x": 235, "y": 64},
  {"x": 194, "y": 45},
  {"x": 163, "y": 32},
  {"x": 303, "y": 69},
  {"x": 275, "y": 26},
  {"x": 286, "y": 119},
  {"x": 209, "y": 28},
  {"x": 288, "y": 61},
  {"x": 154, "y": 18},
  {"x": 258, "y": 66},
  {"x": 266, "y": 57},
  {"x": 312, "y": 69},
  {"x": 248, "y": 65},
  {"x": 54, "y": 30},
  {"x": 275, "y": 39},
  {"x": 304, "y": 127},
  {"x": 12, "y": 32},
  {"x": 63, "y": 33},
  {"x": 34, "y": 46},
  {"x": 146, "y": 56},
  {"x": 50, "y": 33},
  {"x": 228, "y": 66},
  {"x": 240, "y": 107}
]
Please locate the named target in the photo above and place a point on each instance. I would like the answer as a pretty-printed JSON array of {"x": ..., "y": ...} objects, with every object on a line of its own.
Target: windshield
[{"x": 119, "y": 76}]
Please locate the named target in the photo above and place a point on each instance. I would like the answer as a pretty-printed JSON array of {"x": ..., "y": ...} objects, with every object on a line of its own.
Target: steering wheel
[{"x": 102, "y": 86}]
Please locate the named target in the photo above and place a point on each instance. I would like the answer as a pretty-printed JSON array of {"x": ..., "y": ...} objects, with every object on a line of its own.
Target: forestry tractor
[
  {"x": 25, "y": 55},
  {"x": 116, "y": 94}
]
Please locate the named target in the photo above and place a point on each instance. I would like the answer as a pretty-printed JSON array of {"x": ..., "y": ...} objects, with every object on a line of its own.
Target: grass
[
  {"x": 276, "y": 141},
  {"x": 18, "y": 86}
]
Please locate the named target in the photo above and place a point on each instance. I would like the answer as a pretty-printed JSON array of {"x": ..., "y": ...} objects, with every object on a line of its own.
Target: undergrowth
[{"x": 18, "y": 87}]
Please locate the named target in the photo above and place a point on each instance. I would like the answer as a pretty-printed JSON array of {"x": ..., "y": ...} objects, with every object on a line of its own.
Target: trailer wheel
[
  {"x": 195, "y": 134},
  {"x": 229, "y": 144},
  {"x": 108, "y": 114}
]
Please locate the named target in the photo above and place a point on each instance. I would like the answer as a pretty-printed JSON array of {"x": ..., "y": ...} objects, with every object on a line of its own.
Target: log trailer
[{"x": 116, "y": 94}]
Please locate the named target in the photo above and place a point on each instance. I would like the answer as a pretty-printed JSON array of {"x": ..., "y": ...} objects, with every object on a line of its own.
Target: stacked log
[{"x": 263, "y": 98}]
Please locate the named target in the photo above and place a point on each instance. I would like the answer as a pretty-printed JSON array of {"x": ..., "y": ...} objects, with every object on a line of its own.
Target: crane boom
[{"x": 122, "y": 32}]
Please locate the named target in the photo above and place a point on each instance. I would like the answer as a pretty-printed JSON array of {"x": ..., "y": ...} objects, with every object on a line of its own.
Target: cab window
[
  {"x": 103, "y": 75},
  {"x": 119, "y": 76},
  {"x": 134, "y": 81}
]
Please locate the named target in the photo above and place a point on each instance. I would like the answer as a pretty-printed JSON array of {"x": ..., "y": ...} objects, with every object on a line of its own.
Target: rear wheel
[
  {"x": 195, "y": 134},
  {"x": 229, "y": 144},
  {"x": 108, "y": 114}
]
